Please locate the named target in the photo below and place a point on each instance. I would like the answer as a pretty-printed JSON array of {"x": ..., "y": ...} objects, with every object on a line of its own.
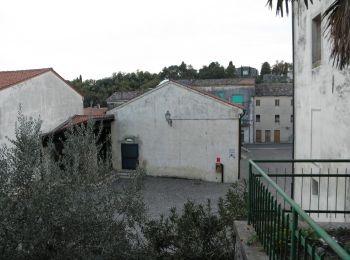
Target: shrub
[
  {"x": 234, "y": 205},
  {"x": 195, "y": 234},
  {"x": 66, "y": 207}
]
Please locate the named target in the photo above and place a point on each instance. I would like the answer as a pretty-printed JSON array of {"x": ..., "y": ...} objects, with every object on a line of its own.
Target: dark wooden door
[
  {"x": 258, "y": 136},
  {"x": 130, "y": 156},
  {"x": 267, "y": 136},
  {"x": 277, "y": 136}
]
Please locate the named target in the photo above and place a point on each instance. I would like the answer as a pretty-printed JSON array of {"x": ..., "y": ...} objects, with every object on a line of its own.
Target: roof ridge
[{"x": 41, "y": 69}]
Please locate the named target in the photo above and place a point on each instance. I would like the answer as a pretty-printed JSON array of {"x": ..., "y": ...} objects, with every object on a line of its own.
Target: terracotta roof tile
[
  {"x": 9, "y": 78},
  {"x": 79, "y": 119},
  {"x": 95, "y": 111}
]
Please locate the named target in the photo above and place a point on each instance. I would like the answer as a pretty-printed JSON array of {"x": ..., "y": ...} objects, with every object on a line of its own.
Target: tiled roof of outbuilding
[
  {"x": 95, "y": 111},
  {"x": 216, "y": 82},
  {"x": 274, "y": 89}
]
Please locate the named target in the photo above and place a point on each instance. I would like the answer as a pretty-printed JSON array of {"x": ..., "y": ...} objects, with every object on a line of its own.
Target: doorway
[
  {"x": 277, "y": 136},
  {"x": 130, "y": 156},
  {"x": 267, "y": 136},
  {"x": 258, "y": 136}
]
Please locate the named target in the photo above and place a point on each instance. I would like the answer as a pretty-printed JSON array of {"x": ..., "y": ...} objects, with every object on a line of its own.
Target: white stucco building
[
  {"x": 41, "y": 93},
  {"x": 322, "y": 118},
  {"x": 177, "y": 131}
]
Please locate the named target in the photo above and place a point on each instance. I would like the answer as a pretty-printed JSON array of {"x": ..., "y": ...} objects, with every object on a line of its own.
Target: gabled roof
[
  {"x": 274, "y": 89},
  {"x": 217, "y": 82},
  {"x": 203, "y": 93},
  {"x": 123, "y": 95},
  {"x": 11, "y": 78}
]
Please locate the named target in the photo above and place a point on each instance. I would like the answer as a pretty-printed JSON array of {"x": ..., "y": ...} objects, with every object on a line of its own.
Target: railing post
[
  {"x": 250, "y": 201},
  {"x": 294, "y": 228}
]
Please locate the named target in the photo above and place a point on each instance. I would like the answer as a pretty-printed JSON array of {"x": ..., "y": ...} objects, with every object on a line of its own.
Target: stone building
[
  {"x": 178, "y": 131},
  {"x": 238, "y": 91},
  {"x": 273, "y": 113},
  {"x": 247, "y": 71},
  {"x": 41, "y": 93},
  {"x": 120, "y": 97}
]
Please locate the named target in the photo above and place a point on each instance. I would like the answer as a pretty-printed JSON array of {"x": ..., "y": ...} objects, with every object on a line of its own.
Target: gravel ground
[{"x": 162, "y": 194}]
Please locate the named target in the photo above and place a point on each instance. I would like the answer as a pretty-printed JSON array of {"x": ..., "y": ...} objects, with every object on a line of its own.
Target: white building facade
[
  {"x": 177, "y": 131},
  {"x": 273, "y": 113},
  {"x": 40, "y": 93},
  {"x": 322, "y": 118}
]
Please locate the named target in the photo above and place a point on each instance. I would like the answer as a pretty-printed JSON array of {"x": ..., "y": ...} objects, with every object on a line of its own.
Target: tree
[
  {"x": 230, "y": 70},
  {"x": 281, "y": 68},
  {"x": 337, "y": 18},
  {"x": 213, "y": 71},
  {"x": 265, "y": 68},
  {"x": 65, "y": 208}
]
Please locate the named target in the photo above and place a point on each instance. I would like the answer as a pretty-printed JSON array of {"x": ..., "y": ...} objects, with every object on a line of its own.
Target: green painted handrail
[
  {"x": 304, "y": 161},
  {"x": 297, "y": 209}
]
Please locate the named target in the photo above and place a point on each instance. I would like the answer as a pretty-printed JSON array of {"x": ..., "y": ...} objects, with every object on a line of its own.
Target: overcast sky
[{"x": 97, "y": 38}]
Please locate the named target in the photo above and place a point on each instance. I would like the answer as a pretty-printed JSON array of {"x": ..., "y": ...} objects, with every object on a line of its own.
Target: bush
[
  {"x": 195, "y": 234},
  {"x": 234, "y": 205},
  {"x": 65, "y": 207}
]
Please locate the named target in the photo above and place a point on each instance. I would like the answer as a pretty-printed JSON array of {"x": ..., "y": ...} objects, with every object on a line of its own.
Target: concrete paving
[
  {"x": 270, "y": 152},
  {"x": 162, "y": 194}
]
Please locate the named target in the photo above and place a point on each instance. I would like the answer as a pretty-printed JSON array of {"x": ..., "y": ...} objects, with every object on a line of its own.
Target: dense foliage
[
  {"x": 65, "y": 208},
  {"x": 97, "y": 91}
]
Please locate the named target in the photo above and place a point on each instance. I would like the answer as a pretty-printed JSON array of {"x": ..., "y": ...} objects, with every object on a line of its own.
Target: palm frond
[
  {"x": 337, "y": 18},
  {"x": 338, "y": 31}
]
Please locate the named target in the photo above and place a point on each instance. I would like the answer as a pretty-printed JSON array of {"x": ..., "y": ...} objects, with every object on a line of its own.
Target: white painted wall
[
  {"x": 203, "y": 128},
  {"x": 322, "y": 94},
  {"x": 267, "y": 111},
  {"x": 45, "y": 96}
]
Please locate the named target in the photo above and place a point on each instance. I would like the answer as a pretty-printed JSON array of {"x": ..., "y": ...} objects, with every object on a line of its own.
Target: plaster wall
[
  {"x": 247, "y": 91},
  {"x": 322, "y": 106},
  {"x": 202, "y": 129},
  {"x": 46, "y": 97},
  {"x": 267, "y": 111}
]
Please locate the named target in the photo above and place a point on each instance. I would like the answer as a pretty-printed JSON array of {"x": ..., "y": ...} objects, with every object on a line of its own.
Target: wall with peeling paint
[
  {"x": 322, "y": 117},
  {"x": 202, "y": 129},
  {"x": 45, "y": 96}
]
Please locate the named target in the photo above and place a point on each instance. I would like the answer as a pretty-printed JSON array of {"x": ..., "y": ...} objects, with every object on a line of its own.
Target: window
[
  {"x": 257, "y": 118},
  {"x": 238, "y": 99},
  {"x": 314, "y": 187},
  {"x": 277, "y": 102},
  {"x": 221, "y": 94},
  {"x": 257, "y": 102},
  {"x": 277, "y": 118},
  {"x": 316, "y": 41},
  {"x": 291, "y": 118}
]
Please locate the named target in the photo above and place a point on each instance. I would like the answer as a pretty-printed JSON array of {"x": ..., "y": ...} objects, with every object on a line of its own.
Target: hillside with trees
[{"x": 97, "y": 91}]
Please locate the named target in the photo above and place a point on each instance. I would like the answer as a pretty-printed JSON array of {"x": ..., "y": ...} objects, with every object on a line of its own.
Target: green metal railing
[{"x": 276, "y": 221}]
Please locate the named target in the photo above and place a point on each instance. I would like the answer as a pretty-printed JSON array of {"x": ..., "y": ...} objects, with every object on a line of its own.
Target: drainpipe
[
  {"x": 240, "y": 142},
  {"x": 294, "y": 117}
]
